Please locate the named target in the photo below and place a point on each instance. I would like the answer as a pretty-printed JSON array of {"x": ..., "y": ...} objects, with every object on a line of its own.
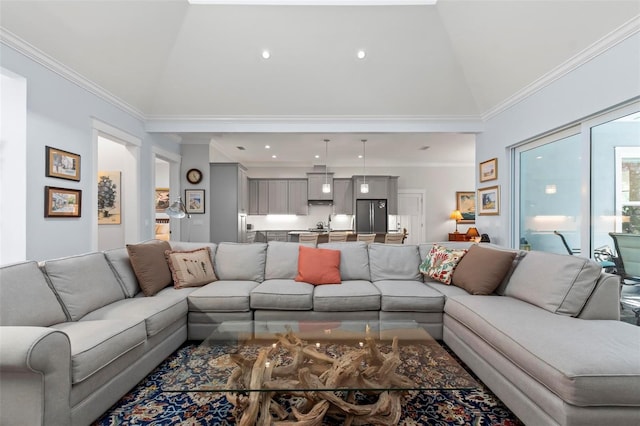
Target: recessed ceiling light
[
  {"x": 424, "y": 148},
  {"x": 316, "y": 156},
  {"x": 274, "y": 156},
  {"x": 241, "y": 148},
  {"x": 267, "y": 147},
  {"x": 360, "y": 156},
  {"x": 266, "y": 54},
  {"x": 361, "y": 54}
]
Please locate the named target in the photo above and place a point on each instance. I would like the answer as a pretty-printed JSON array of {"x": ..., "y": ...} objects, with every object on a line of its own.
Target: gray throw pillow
[{"x": 482, "y": 269}]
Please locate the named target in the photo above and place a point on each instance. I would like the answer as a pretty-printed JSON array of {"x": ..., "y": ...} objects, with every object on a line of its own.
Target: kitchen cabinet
[
  {"x": 253, "y": 196},
  {"x": 315, "y": 182},
  {"x": 343, "y": 196},
  {"x": 228, "y": 191},
  {"x": 278, "y": 196},
  {"x": 392, "y": 196},
  {"x": 298, "y": 197},
  {"x": 258, "y": 196},
  {"x": 378, "y": 187}
]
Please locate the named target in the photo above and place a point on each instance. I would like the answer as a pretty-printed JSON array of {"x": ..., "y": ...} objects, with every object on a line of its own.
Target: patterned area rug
[{"x": 146, "y": 404}]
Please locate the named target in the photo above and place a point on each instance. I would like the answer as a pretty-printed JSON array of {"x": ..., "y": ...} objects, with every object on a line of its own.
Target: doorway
[{"x": 411, "y": 215}]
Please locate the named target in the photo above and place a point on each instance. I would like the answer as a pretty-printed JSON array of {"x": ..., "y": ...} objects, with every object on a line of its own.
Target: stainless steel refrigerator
[{"x": 371, "y": 216}]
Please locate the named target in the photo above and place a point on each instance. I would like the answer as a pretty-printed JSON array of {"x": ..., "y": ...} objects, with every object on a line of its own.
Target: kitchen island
[{"x": 323, "y": 235}]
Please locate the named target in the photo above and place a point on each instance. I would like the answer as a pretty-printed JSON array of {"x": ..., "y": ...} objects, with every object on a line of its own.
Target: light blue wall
[
  {"x": 59, "y": 114},
  {"x": 609, "y": 79}
]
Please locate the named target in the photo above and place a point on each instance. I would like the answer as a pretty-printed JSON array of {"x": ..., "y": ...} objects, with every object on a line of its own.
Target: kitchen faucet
[{"x": 329, "y": 224}]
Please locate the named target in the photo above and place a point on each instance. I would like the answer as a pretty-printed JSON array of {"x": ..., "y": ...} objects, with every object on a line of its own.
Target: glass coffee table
[{"x": 356, "y": 371}]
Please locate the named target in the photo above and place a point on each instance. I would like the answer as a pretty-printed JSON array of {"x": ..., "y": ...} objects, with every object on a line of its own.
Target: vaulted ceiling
[{"x": 458, "y": 60}]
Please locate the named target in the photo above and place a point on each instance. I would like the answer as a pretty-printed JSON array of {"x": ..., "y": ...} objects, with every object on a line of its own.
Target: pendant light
[
  {"x": 364, "y": 186},
  {"x": 326, "y": 187}
]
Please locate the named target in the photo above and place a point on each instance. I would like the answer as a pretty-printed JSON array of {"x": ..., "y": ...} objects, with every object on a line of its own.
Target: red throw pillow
[{"x": 318, "y": 266}]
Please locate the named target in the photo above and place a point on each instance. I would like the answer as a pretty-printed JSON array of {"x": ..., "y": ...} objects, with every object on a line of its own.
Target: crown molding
[
  {"x": 616, "y": 36},
  {"x": 30, "y": 51},
  {"x": 306, "y": 124}
]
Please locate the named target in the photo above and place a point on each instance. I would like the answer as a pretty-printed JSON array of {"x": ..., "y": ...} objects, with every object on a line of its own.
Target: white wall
[
  {"x": 607, "y": 80},
  {"x": 59, "y": 114}
]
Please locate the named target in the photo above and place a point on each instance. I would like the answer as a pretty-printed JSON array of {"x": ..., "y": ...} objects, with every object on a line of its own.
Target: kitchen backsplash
[
  {"x": 316, "y": 214},
  {"x": 292, "y": 222}
]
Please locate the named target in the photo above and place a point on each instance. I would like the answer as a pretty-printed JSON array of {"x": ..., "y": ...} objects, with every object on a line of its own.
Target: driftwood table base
[{"x": 324, "y": 385}]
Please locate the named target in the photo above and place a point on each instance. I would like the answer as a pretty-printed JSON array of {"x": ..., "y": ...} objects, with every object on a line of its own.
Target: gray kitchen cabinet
[
  {"x": 342, "y": 196},
  {"x": 298, "y": 202},
  {"x": 315, "y": 182},
  {"x": 278, "y": 196},
  {"x": 378, "y": 187},
  {"x": 228, "y": 222},
  {"x": 253, "y": 196},
  {"x": 392, "y": 197}
]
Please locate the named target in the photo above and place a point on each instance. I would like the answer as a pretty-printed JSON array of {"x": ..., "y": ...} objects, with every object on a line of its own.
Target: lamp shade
[
  {"x": 473, "y": 232},
  {"x": 456, "y": 215},
  {"x": 176, "y": 209}
]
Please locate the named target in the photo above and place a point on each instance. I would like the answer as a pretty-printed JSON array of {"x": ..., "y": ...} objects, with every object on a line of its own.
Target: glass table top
[{"x": 268, "y": 356}]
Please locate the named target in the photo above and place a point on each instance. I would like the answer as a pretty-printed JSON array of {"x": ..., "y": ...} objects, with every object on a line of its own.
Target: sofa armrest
[
  {"x": 604, "y": 301},
  {"x": 35, "y": 376}
]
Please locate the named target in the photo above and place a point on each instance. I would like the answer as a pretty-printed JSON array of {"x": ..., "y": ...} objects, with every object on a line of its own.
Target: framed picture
[
  {"x": 194, "y": 200},
  {"x": 489, "y": 200},
  {"x": 162, "y": 199},
  {"x": 489, "y": 170},
  {"x": 109, "y": 195},
  {"x": 466, "y": 203},
  {"x": 62, "y": 202},
  {"x": 62, "y": 164}
]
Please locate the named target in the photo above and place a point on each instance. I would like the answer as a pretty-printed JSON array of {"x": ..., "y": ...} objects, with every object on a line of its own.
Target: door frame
[{"x": 423, "y": 220}]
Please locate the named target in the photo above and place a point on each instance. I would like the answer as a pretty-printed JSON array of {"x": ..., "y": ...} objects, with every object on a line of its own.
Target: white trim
[
  {"x": 166, "y": 155},
  {"x": 423, "y": 221},
  {"x": 618, "y": 35},
  {"x": 306, "y": 124},
  {"x": 64, "y": 71},
  {"x": 316, "y": 2},
  {"x": 114, "y": 132}
]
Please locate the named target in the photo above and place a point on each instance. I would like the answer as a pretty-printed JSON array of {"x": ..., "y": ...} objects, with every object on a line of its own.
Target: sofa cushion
[
  {"x": 238, "y": 261},
  {"x": 121, "y": 264},
  {"x": 150, "y": 265},
  {"x": 188, "y": 246},
  {"x": 394, "y": 262},
  {"x": 318, "y": 266},
  {"x": 558, "y": 283},
  {"x": 192, "y": 268},
  {"x": 585, "y": 363},
  {"x": 425, "y": 248},
  {"x": 25, "y": 297},
  {"x": 282, "y": 260},
  {"x": 482, "y": 269},
  {"x": 409, "y": 296},
  {"x": 84, "y": 283},
  {"x": 282, "y": 294},
  {"x": 159, "y": 312},
  {"x": 356, "y": 295},
  {"x": 96, "y": 344},
  {"x": 440, "y": 263},
  {"x": 354, "y": 259},
  {"x": 222, "y": 296}
]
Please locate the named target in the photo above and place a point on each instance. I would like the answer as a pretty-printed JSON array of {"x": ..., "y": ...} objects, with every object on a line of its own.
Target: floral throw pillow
[{"x": 440, "y": 263}]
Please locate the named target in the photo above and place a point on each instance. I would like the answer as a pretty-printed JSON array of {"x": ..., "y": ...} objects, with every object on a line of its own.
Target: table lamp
[
  {"x": 456, "y": 215},
  {"x": 473, "y": 234}
]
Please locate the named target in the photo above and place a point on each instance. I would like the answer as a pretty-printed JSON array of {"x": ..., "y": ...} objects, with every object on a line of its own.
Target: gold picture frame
[
  {"x": 194, "y": 201},
  {"x": 489, "y": 170},
  {"x": 489, "y": 201},
  {"x": 62, "y": 164},
  {"x": 62, "y": 202},
  {"x": 162, "y": 199}
]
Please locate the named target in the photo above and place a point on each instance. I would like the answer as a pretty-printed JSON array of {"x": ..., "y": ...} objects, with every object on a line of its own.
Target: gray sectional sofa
[{"x": 76, "y": 333}]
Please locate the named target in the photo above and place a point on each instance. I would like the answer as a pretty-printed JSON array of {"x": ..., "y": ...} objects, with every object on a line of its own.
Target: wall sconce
[{"x": 456, "y": 215}]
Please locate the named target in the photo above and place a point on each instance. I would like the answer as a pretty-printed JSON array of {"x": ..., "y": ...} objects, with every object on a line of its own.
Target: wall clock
[{"x": 194, "y": 176}]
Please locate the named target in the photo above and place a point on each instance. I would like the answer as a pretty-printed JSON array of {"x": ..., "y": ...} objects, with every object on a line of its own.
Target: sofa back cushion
[
  {"x": 25, "y": 297},
  {"x": 394, "y": 262},
  {"x": 84, "y": 283},
  {"x": 482, "y": 269},
  {"x": 241, "y": 261},
  {"x": 120, "y": 263},
  {"x": 150, "y": 265},
  {"x": 354, "y": 259},
  {"x": 282, "y": 260},
  {"x": 558, "y": 283}
]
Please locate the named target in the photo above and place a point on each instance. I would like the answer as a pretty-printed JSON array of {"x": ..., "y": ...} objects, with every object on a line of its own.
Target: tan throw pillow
[
  {"x": 150, "y": 266},
  {"x": 191, "y": 268},
  {"x": 482, "y": 269}
]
